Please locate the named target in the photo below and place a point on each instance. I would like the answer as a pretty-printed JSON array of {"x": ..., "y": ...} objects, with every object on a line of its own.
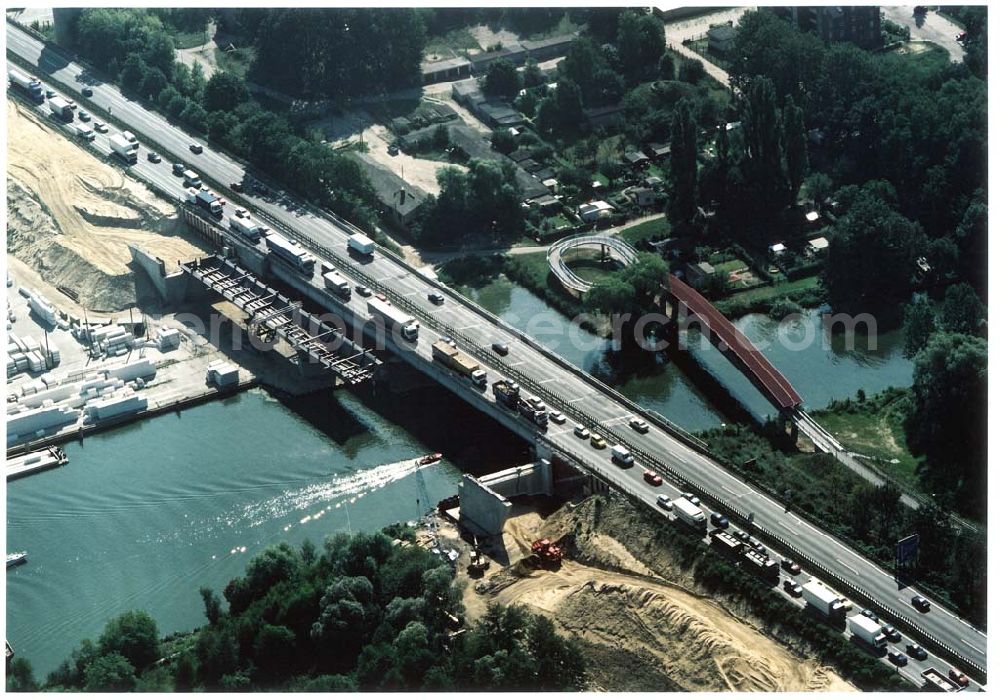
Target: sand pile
[
  {"x": 639, "y": 630},
  {"x": 72, "y": 216}
]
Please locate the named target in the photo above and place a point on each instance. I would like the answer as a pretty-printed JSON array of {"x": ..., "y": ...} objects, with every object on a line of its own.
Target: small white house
[
  {"x": 777, "y": 250},
  {"x": 592, "y": 211}
]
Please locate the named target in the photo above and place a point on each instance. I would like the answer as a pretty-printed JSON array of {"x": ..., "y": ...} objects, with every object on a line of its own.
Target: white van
[
  {"x": 621, "y": 456},
  {"x": 84, "y": 132},
  {"x": 191, "y": 179}
]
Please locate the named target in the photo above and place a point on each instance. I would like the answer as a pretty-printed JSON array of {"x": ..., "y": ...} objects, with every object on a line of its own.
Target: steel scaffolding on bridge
[{"x": 273, "y": 314}]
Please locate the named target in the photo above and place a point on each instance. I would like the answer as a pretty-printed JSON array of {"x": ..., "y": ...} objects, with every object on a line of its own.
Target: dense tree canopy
[
  {"x": 873, "y": 251},
  {"x": 502, "y": 79},
  {"x": 362, "y": 614},
  {"x": 948, "y": 420},
  {"x": 640, "y": 44},
  {"x": 338, "y": 52}
]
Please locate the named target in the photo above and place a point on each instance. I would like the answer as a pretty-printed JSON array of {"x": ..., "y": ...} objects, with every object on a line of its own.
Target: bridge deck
[
  {"x": 778, "y": 389},
  {"x": 271, "y": 311}
]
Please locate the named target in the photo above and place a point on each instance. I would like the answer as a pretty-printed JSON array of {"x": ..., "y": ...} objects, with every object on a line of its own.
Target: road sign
[{"x": 907, "y": 550}]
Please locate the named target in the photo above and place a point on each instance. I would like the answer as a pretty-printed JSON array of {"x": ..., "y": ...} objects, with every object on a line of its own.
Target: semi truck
[
  {"x": 245, "y": 227},
  {"x": 338, "y": 285},
  {"x": 822, "y": 599},
  {"x": 290, "y": 252},
  {"x": 127, "y": 151},
  {"x": 689, "y": 513},
  {"x": 61, "y": 109},
  {"x": 727, "y": 544},
  {"x": 532, "y": 412},
  {"x": 26, "y": 84},
  {"x": 394, "y": 318},
  {"x": 204, "y": 199},
  {"x": 761, "y": 564},
  {"x": 506, "y": 393},
  {"x": 457, "y": 360},
  {"x": 361, "y": 244},
  {"x": 867, "y": 630},
  {"x": 936, "y": 681}
]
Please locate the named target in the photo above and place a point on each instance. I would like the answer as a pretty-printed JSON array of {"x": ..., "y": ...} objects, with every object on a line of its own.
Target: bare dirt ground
[
  {"x": 71, "y": 216},
  {"x": 204, "y": 54},
  {"x": 642, "y": 625},
  {"x": 488, "y": 37}
]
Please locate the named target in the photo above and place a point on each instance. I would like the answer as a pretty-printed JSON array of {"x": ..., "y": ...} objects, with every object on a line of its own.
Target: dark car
[
  {"x": 179, "y": 168},
  {"x": 757, "y": 544},
  {"x": 793, "y": 589},
  {"x": 436, "y": 298},
  {"x": 393, "y": 149},
  {"x": 362, "y": 290},
  {"x": 921, "y": 603},
  {"x": 741, "y": 536},
  {"x": 196, "y": 148},
  {"x": 897, "y": 657},
  {"x": 916, "y": 651},
  {"x": 891, "y": 633},
  {"x": 153, "y": 157},
  {"x": 719, "y": 520},
  {"x": 50, "y": 93},
  {"x": 88, "y": 92},
  {"x": 500, "y": 348},
  {"x": 791, "y": 567},
  {"x": 869, "y": 614},
  {"x": 236, "y": 186}
]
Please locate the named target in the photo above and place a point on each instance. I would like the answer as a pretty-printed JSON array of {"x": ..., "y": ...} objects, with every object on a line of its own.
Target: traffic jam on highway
[{"x": 346, "y": 278}]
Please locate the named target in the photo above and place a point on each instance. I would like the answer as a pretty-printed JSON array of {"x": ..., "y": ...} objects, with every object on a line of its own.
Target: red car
[
  {"x": 959, "y": 677},
  {"x": 652, "y": 477}
]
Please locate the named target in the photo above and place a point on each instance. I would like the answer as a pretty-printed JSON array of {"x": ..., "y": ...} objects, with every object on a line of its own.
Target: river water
[
  {"x": 144, "y": 515},
  {"x": 821, "y": 368}
]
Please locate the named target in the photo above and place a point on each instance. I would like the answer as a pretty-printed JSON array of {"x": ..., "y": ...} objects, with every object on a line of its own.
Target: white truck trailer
[
  {"x": 30, "y": 86},
  {"x": 61, "y": 108},
  {"x": 246, "y": 227},
  {"x": 361, "y": 244},
  {"x": 822, "y": 599},
  {"x": 205, "y": 199},
  {"x": 394, "y": 318},
  {"x": 689, "y": 513},
  {"x": 291, "y": 252},
  {"x": 867, "y": 630},
  {"x": 128, "y": 152},
  {"x": 333, "y": 281}
]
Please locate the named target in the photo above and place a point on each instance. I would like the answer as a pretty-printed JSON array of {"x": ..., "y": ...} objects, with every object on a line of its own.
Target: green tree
[
  {"x": 962, "y": 311},
  {"x": 21, "y": 677},
  {"x": 502, "y": 79},
  {"x": 274, "y": 649},
  {"x": 918, "y": 326},
  {"x": 225, "y": 91},
  {"x": 153, "y": 82},
  {"x": 666, "y": 69},
  {"x": 132, "y": 74},
  {"x": 213, "y": 606},
  {"x": 641, "y": 43},
  {"x": 610, "y": 295},
  {"x": 503, "y": 141},
  {"x": 691, "y": 71},
  {"x": 569, "y": 103},
  {"x": 873, "y": 251},
  {"x": 762, "y": 140},
  {"x": 532, "y": 75},
  {"x": 819, "y": 187},
  {"x": 683, "y": 166},
  {"x": 133, "y": 635},
  {"x": 947, "y": 423},
  {"x": 110, "y": 673},
  {"x": 796, "y": 152}
]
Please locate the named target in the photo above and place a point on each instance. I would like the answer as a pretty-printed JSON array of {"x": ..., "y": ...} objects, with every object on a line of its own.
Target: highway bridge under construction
[{"x": 682, "y": 460}]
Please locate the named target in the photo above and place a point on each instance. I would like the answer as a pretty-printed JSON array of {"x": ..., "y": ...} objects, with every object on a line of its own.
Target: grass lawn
[
  {"x": 444, "y": 46},
  {"x": 592, "y": 270},
  {"x": 236, "y": 61},
  {"x": 925, "y": 55},
  {"x": 728, "y": 266},
  {"x": 652, "y": 230},
  {"x": 875, "y": 428},
  {"x": 188, "y": 40},
  {"x": 806, "y": 291}
]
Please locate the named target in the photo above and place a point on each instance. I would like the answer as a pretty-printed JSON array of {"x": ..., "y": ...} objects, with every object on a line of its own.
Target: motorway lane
[{"x": 578, "y": 397}]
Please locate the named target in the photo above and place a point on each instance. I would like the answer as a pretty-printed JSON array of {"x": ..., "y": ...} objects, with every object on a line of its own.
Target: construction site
[
  {"x": 91, "y": 343},
  {"x": 643, "y": 622}
]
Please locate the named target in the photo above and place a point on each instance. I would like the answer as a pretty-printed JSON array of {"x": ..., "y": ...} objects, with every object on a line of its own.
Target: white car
[
  {"x": 663, "y": 500},
  {"x": 240, "y": 212},
  {"x": 557, "y": 417},
  {"x": 691, "y": 497},
  {"x": 581, "y": 432},
  {"x": 639, "y": 425}
]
